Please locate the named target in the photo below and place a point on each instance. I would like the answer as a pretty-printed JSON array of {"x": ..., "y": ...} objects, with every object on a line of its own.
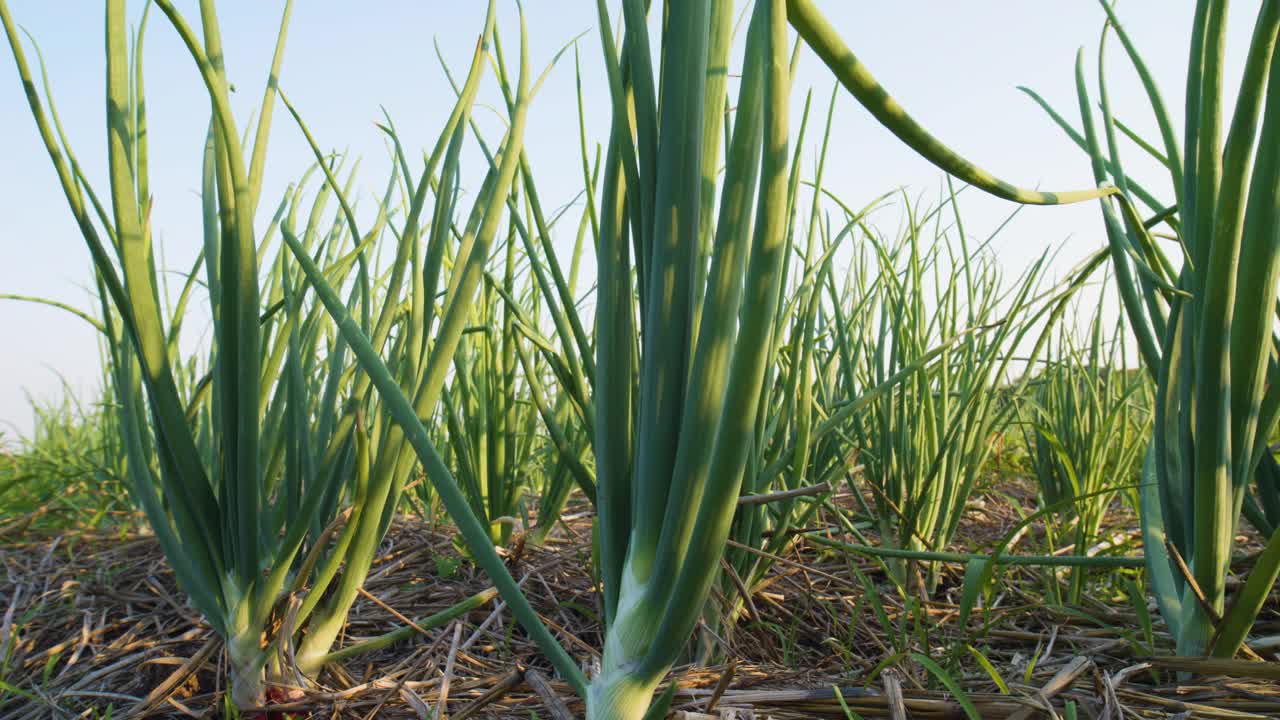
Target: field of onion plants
[{"x": 714, "y": 441}]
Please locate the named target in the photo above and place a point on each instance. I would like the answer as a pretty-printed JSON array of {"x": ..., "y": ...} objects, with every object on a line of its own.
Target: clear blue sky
[{"x": 954, "y": 65}]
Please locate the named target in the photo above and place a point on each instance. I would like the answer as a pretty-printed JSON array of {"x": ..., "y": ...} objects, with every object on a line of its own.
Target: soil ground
[{"x": 94, "y": 627}]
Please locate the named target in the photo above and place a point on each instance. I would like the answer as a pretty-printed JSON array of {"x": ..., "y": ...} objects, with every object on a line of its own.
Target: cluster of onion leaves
[
  {"x": 1198, "y": 278},
  {"x": 272, "y": 469},
  {"x": 1085, "y": 418}
]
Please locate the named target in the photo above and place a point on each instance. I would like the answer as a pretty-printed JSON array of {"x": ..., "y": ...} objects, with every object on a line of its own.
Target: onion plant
[
  {"x": 560, "y": 455},
  {"x": 681, "y": 348},
  {"x": 549, "y": 371},
  {"x": 565, "y": 453},
  {"x": 501, "y": 391},
  {"x": 924, "y": 445},
  {"x": 489, "y": 438},
  {"x": 241, "y": 466},
  {"x": 557, "y": 370},
  {"x": 1084, "y": 421},
  {"x": 1204, "y": 320}
]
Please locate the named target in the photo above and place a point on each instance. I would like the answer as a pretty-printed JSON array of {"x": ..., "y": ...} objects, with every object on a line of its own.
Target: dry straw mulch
[{"x": 94, "y": 621}]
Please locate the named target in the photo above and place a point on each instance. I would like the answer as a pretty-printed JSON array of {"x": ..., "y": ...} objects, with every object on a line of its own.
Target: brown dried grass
[{"x": 91, "y": 620}]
